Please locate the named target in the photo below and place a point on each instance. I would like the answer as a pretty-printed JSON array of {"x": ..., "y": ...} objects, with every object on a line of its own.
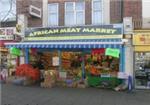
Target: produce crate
[{"x": 106, "y": 82}]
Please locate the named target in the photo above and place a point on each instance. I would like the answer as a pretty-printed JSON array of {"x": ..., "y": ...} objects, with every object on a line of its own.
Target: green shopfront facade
[{"x": 81, "y": 38}]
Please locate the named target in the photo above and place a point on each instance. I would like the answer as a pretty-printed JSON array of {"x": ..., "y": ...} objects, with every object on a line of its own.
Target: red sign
[{"x": 98, "y": 51}]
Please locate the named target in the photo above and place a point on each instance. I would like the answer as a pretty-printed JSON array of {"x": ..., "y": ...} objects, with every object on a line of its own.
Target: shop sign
[
  {"x": 15, "y": 51},
  {"x": 127, "y": 23},
  {"x": 7, "y": 33},
  {"x": 112, "y": 52},
  {"x": 141, "y": 39},
  {"x": 6, "y": 37},
  {"x": 69, "y": 33},
  {"x": 63, "y": 74},
  {"x": 122, "y": 75},
  {"x": 98, "y": 51},
  {"x": 55, "y": 61}
]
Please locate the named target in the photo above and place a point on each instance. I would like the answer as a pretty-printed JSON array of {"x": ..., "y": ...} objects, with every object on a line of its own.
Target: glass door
[{"x": 142, "y": 70}]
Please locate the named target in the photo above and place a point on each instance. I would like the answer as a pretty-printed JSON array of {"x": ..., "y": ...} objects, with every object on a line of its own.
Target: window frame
[
  {"x": 101, "y": 10},
  {"x": 74, "y": 11},
  {"x": 57, "y": 14}
]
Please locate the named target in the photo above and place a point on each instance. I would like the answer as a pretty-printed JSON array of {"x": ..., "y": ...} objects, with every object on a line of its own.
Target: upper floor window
[
  {"x": 97, "y": 11},
  {"x": 74, "y": 13},
  {"x": 53, "y": 14}
]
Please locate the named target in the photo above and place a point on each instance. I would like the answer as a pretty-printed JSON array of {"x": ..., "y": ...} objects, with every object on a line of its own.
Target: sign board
[
  {"x": 74, "y": 33},
  {"x": 15, "y": 51},
  {"x": 35, "y": 11},
  {"x": 128, "y": 25},
  {"x": 55, "y": 61},
  {"x": 141, "y": 39},
  {"x": 145, "y": 22},
  {"x": 22, "y": 60},
  {"x": 62, "y": 74},
  {"x": 6, "y": 37},
  {"x": 112, "y": 52},
  {"x": 7, "y": 33},
  {"x": 122, "y": 75}
]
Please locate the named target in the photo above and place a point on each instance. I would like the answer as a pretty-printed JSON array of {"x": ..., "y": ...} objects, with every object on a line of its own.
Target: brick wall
[
  {"x": 23, "y": 8},
  {"x": 133, "y": 8},
  {"x": 126, "y": 8},
  {"x": 88, "y": 12},
  {"x": 115, "y": 11}
]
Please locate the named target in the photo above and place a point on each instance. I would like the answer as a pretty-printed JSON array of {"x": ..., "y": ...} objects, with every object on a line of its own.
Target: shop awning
[{"x": 68, "y": 44}]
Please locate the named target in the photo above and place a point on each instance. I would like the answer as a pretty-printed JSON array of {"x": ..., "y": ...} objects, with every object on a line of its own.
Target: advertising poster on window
[{"x": 55, "y": 61}]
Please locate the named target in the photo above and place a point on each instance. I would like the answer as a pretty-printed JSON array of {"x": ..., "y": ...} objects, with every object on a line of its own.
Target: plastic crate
[{"x": 111, "y": 82}]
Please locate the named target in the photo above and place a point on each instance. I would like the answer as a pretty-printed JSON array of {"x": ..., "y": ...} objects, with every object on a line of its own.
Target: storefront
[
  {"x": 92, "y": 53},
  {"x": 141, "y": 43},
  {"x": 3, "y": 58},
  {"x": 6, "y": 36}
]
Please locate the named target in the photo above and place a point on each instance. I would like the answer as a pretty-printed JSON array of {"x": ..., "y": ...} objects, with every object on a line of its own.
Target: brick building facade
[
  {"x": 22, "y": 7},
  {"x": 117, "y": 10},
  {"x": 62, "y": 10},
  {"x": 132, "y": 8}
]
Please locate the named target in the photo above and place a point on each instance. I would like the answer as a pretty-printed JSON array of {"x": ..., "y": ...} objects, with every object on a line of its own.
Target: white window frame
[
  {"x": 57, "y": 13},
  {"x": 75, "y": 13},
  {"x": 102, "y": 10}
]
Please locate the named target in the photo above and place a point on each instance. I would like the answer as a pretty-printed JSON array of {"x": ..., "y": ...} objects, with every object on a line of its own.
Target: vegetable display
[{"x": 26, "y": 70}]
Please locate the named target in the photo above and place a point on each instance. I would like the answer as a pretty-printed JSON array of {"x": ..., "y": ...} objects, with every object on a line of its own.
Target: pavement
[{"x": 34, "y": 95}]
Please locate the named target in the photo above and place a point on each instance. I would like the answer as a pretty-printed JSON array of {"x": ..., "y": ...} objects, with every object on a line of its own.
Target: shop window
[
  {"x": 142, "y": 70},
  {"x": 97, "y": 11},
  {"x": 97, "y": 63},
  {"x": 71, "y": 64},
  {"x": 74, "y": 13},
  {"x": 43, "y": 60},
  {"x": 70, "y": 67},
  {"x": 3, "y": 61},
  {"x": 53, "y": 14}
]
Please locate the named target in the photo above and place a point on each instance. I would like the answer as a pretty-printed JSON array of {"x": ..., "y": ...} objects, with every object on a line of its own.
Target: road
[{"x": 19, "y": 95}]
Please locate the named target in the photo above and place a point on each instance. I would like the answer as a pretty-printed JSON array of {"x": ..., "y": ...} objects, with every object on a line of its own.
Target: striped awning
[{"x": 68, "y": 44}]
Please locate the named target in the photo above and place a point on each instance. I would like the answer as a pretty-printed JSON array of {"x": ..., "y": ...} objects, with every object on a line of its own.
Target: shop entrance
[
  {"x": 71, "y": 63},
  {"x": 142, "y": 70}
]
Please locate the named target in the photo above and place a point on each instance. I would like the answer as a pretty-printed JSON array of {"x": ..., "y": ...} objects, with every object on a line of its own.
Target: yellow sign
[
  {"x": 141, "y": 39},
  {"x": 74, "y": 37},
  {"x": 142, "y": 48}
]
